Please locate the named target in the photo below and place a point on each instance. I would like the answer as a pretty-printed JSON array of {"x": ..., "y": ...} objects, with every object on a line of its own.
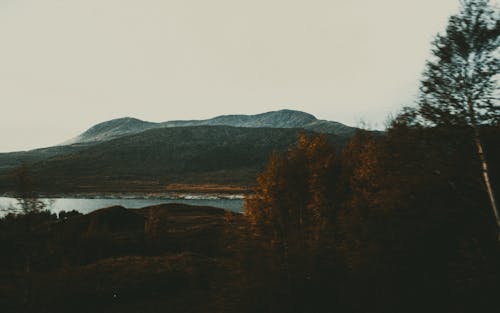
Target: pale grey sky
[{"x": 66, "y": 65}]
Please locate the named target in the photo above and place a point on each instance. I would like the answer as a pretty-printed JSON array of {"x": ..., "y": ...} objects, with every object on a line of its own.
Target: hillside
[
  {"x": 12, "y": 160},
  {"x": 153, "y": 159},
  {"x": 112, "y": 129},
  {"x": 128, "y": 154},
  {"x": 122, "y": 127}
]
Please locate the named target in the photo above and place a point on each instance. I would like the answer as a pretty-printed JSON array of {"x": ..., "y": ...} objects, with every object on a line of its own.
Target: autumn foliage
[{"x": 392, "y": 220}]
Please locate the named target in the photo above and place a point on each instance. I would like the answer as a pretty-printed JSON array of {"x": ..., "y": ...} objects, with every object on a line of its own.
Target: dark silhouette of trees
[
  {"x": 392, "y": 220},
  {"x": 392, "y": 223},
  {"x": 460, "y": 82},
  {"x": 290, "y": 210},
  {"x": 291, "y": 201},
  {"x": 413, "y": 225},
  {"x": 440, "y": 235},
  {"x": 27, "y": 197},
  {"x": 27, "y": 219}
]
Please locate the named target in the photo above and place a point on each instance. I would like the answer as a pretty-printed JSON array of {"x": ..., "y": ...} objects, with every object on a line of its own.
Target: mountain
[
  {"x": 276, "y": 119},
  {"x": 128, "y": 154},
  {"x": 11, "y": 160},
  {"x": 150, "y": 160},
  {"x": 112, "y": 129}
]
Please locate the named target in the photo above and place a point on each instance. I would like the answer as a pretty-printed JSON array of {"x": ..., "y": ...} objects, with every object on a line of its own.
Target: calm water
[{"x": 88, "y": 205}]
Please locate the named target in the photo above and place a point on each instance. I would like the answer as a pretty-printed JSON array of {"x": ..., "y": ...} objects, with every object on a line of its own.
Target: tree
[
  {"x": 460, "y": 82},
  {"x": 27, "y": 198},
  {"x": 29, "y": 215},
  {"x": 291, "y": 201},
  {"x": 289, "y": 211}
]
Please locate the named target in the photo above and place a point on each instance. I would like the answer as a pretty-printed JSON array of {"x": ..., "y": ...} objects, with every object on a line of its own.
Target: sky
[{"x": 67, "y": 65}]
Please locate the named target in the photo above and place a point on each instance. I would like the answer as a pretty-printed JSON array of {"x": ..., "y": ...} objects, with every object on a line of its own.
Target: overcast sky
[{"x": 68, "y": 64}]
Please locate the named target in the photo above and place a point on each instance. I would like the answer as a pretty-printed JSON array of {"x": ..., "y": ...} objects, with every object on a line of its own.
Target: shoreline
[
  {"x": 169, "y": 192},
  {"x": 138, "y": 196}
]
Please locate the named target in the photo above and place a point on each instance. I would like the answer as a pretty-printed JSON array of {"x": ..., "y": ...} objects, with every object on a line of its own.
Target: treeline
[
  {"x": 399, "y": 223},
  {"x": 406, "y": 222},
  {"x": 395, "y": 223}
]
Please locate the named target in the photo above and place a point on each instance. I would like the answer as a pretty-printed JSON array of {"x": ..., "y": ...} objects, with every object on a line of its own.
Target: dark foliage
[
  {"x": 406, "y": 227},
  {"x": 389, "y": 224},
  {"x": 107, "y": 261}
]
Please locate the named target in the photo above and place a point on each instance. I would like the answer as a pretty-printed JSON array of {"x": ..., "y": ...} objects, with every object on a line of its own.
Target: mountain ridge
[{"x": 120, "y": 127}]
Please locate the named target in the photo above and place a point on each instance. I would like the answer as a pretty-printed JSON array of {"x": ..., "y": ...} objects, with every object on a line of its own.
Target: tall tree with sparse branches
[{"x": 460, "y": 85}]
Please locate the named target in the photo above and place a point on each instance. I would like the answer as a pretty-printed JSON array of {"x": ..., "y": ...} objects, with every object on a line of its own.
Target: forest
[{"x": 388, "y": 224}]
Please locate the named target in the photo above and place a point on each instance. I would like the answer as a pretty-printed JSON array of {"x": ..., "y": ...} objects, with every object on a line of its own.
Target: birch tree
[{"x": 460, "y": 84}]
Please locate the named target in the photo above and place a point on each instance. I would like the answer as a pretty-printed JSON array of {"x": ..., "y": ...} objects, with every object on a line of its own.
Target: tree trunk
[
  {"x": 486, "y": 177},
  {"x": 484, "y": 165},
  {"x": 286, "y": 261}
]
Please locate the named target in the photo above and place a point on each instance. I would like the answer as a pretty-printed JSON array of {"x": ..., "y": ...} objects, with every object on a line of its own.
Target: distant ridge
[
  {"x": 112, "y": 129},
  {"x": 275, "y": 119}
]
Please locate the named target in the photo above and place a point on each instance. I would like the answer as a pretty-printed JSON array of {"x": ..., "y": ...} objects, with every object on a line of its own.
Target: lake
[{"x": 86, "y": 205}]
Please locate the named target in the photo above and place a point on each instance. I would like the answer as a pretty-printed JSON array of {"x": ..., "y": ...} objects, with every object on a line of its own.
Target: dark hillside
[
  {"x": 155, "y": 158},
  {"x": 11, "y": 160}
]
